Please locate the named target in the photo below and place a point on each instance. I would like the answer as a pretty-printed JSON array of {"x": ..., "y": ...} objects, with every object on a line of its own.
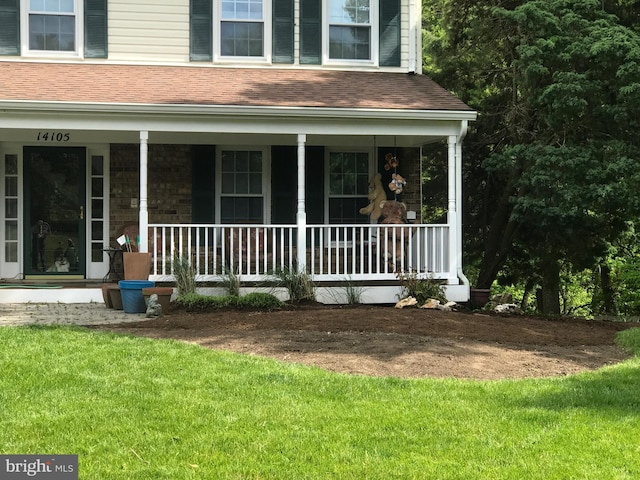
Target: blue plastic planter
[{"x": 132, "y": 298}]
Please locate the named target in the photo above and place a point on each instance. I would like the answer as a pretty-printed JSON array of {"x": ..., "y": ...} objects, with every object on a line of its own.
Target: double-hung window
[
  {"x": 350, "y": 29},
  {"x": 242, "y": 28},
  {"x": 242, "y": 195},
  {"x": 69, "y": 28},
  {"x": 348, "y": 186},
  {"x": 52, "y": 25}
]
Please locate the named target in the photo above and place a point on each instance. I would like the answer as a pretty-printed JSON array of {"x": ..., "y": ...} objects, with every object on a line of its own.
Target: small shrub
[
  {"x": 422, "y": 289},
  {"x": 260, "y": 301},
  {"x": 194, "y": 302},
  {"x": 298, "y": 284}
]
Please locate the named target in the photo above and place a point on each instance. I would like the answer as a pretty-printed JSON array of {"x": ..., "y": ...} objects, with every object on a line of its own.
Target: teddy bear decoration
[
  {"x": 398, "y": 183},
  {"x": 376, "y": 196}
]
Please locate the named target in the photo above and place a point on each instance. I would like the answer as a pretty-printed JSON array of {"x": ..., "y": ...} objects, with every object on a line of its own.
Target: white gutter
[{"x": 240, "y": 110}]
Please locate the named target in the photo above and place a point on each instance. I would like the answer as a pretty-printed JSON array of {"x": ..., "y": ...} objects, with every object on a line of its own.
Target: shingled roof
[{"x": 198, "y": 85}]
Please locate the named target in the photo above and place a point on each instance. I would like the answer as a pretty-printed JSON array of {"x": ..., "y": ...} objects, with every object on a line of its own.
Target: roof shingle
[{"x": 213, "y": 85}]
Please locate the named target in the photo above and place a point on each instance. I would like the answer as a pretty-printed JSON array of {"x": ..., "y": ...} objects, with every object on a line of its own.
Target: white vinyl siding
[
  {"x": 158, "y": 31},
  {"x": 404, "y": 35},
  {"x": 148, "y": 30}
]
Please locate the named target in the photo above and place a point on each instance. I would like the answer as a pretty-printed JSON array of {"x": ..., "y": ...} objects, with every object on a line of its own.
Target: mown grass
[{"x": 135, "y": 408}]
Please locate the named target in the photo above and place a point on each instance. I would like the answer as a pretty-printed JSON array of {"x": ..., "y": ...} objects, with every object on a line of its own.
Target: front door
[{"x": 54, "y": 201}]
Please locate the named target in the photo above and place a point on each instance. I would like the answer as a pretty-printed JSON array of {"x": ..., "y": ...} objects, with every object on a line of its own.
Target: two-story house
[{"x": 240, "y": 133}]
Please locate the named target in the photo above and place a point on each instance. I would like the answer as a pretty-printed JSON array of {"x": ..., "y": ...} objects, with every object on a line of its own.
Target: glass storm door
[{"x": 54, "y": 194}]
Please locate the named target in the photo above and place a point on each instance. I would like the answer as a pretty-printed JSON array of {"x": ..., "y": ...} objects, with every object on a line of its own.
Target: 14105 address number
[{"x": 53, "y": 137}]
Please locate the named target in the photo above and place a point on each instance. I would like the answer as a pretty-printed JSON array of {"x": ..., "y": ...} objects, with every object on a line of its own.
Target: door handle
[{"x": 81, "y": 212}]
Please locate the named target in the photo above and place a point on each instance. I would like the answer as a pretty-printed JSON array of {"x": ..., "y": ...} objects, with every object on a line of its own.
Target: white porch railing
[{"x": 333, "y": 253}]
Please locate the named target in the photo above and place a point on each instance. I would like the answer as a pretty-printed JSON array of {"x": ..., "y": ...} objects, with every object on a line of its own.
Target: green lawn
[{"x": 134, "y": 408}]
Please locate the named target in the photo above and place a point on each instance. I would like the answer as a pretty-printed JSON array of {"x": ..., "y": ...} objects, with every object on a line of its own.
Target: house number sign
[{"x": 53, "y": 136}]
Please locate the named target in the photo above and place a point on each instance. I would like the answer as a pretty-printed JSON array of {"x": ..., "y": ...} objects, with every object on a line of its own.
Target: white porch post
[
  {"x": 143, "y": 223},
  {"x": 301, "y": 216},
  {"x": 452, "y": 209}
]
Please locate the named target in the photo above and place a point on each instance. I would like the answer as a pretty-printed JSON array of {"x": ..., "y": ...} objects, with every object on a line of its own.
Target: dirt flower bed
[{"x": 409, "y": 343}]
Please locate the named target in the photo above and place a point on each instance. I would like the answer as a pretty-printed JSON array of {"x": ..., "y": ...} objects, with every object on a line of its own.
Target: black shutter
[
  {"x": 202, "y": 184},
  {"x": 390, "y": 33},
  {"x": 284, "y": 179},
  {"x": 201, "y": 28},
  {"x": 310, "y": 31},
  {"x": 282, "y": 31},
  {"x": 284, "y": 184},
  {"x": 95, "y": 29},
  {"x": 9, "y": 27}
]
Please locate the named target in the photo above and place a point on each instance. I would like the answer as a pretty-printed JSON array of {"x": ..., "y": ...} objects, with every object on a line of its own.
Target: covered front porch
[{"x": 171, "y": 161}]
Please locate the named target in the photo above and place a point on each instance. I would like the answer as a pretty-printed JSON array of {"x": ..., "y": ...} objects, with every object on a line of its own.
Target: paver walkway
[{"x": 63, "y": 314}]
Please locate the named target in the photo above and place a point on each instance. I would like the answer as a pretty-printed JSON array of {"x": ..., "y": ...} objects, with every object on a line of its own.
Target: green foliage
[
  {"x": 421, "y": 288},
  {"x": 628, "y": 286},
  {"x": 194, "y": 302},
  {"x": 551, "y": 164},
  {"x": 630, "y": 340},
  {"x": 298, "y": 284},
  {"x": 261, "y": 301},
  {"x": 184, "y": 274}
]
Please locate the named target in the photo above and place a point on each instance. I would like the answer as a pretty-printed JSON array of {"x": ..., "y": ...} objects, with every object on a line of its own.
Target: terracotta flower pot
[
  {"x": 480, "y": 296},
  {"x": 137, "y": 265},
  {"x": 115, "y": 297},
  {"x": 105, "y": 295}
]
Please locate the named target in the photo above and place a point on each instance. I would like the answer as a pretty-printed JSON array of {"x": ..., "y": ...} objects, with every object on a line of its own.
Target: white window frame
[
  {"x": 11, "y": 269},
  {"x": 374, "y": 28},
  {"x": 266, "y": 179},
  {"x": 100, "y": 268},
  {"x": 266, "y": 40},
  {"x": 79, "y": 33}
]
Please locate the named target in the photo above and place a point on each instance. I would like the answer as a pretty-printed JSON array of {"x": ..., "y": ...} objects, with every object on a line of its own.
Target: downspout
[
  {"x": 452, "y": 210},
  {"x": 301, "y": 215},
  {"x": 143, "y": 222},
  {"x": 463, "y": 133}
]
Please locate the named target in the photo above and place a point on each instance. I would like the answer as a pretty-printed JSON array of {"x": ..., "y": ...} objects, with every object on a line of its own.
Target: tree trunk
[
  {"x": 501, "y": 233},
  {"x": 528, "y": 288},
  {"x": 608, "y": 293},
  {"x": 551, "y": 287}
]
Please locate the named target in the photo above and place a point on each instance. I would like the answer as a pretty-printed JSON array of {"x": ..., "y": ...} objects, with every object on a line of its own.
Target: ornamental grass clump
[
  {"x": 298, "y": 284},
  {"x": 184, "y": 274}
]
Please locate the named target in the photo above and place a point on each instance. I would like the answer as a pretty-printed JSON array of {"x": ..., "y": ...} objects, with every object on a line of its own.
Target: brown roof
[{"x": 196, "y": 85}]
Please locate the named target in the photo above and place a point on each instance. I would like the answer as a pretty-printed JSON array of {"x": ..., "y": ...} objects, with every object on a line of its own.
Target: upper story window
[
  {"x": 234, "y": 30},
  {"x": 242, "y": 28},
  {"x": 350, "y": 29},
  {"x": 336, "y": 32},
  {"x": 52, "y": 25}
]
